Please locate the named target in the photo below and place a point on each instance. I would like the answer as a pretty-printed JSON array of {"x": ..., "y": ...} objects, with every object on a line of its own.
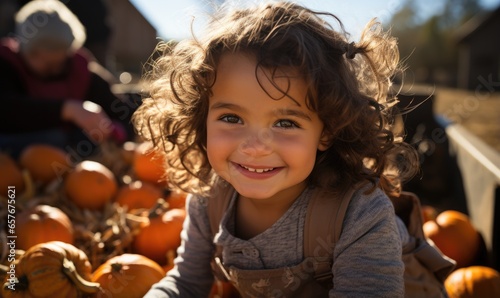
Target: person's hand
[{"x": 89, "y": 117}]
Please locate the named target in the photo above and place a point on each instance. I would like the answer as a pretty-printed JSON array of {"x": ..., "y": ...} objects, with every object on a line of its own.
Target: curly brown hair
[{"x": 348, "y": 87}]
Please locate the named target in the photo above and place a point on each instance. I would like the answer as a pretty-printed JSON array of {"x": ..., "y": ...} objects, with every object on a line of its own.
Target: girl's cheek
[
  {"x": 290, "y": 139},
  {"x": 220, "y": 139}
]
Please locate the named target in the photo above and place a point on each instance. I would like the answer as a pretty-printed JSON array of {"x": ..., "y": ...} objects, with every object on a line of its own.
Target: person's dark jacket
[{"x": 23, "y": 110}]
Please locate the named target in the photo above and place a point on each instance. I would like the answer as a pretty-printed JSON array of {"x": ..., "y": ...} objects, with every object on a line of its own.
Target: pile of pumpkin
[
  {"x": 106, "y": 226},
  {"x": 454, "y": 234}
]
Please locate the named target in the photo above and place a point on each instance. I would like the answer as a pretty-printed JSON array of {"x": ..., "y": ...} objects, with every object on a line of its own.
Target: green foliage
[{"x": 429, "y": 47}]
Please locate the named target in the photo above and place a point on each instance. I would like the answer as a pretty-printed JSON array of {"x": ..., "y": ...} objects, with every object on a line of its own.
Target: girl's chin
[{"x": 253, "y": 193}]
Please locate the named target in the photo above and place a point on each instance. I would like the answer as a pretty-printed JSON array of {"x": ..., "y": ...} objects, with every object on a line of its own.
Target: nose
[{"x": 258, "y": 143}]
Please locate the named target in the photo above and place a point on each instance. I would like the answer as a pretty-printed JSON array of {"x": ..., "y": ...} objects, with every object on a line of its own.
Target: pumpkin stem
[
  {"x": 81, "y": 284},
  {"x": 3, "y": 269},
  {"x": 158, "y": 209},
  {"x": 116, "y": 267}
]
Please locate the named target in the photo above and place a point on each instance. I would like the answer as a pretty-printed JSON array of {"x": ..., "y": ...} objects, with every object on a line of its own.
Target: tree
[{"x": 428, "y": 46}]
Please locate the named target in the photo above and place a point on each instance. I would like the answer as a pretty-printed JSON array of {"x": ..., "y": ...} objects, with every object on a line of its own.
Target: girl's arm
[
  {"x": 367, "y": 257},
  {"x": 192, "y": 275}
]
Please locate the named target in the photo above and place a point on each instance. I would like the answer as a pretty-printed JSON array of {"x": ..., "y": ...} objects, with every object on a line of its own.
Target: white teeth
[{"x": 258, "y": 170}]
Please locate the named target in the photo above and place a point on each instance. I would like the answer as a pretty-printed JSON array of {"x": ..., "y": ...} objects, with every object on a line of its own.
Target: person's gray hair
[{"x": 48, "y": 23}]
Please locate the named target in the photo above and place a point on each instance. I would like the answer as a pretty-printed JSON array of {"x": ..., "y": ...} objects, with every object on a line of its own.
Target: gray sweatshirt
[{"x": 367, "y": 257}]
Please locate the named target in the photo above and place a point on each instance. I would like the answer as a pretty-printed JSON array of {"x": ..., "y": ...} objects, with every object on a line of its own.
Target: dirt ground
[{"x": 479, "y": 112}]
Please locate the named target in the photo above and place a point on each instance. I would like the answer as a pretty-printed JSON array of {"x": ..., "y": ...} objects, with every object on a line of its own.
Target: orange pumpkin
[
  {"x": 10, "y": 175},
  {"x": 455, "y": 236},
  {"x": 41, "y": 224},
  {"x": 91, "y": 185},
  {"x": 45, "y": 163},
  {"x": 473, "y": 282},
  {"x": 52, "y": 269},
  {"x": 160, "y": 235},
  {"x": 137, "y": 195},
  {"x": 149, "y": 164},
  {"x": 127, "y": 276},
  {"x": 177, "y": 199}
]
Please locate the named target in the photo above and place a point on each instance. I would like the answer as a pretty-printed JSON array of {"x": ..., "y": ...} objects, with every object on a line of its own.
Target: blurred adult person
[{"x": 48, "y": 92}]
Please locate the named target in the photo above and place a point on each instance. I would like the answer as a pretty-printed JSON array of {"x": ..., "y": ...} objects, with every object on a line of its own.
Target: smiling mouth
[{"x": 254, "y": 170}]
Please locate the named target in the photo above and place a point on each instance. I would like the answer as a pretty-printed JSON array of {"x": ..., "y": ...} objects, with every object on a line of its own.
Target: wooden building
[{"x": 133, "y": 38}]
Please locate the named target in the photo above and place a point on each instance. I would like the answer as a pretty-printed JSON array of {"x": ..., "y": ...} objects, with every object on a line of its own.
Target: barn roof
[{"x": 476, "y": 24}]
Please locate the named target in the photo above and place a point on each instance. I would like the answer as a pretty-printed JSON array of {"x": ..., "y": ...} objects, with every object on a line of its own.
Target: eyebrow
[
  {"x": 281, "y": 112},
  {"x": 226, "y": 105},
  {"x": 293, "y": 112}
]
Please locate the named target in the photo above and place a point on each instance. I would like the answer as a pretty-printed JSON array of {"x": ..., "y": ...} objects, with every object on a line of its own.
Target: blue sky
[{"x": 172, "y": 18}]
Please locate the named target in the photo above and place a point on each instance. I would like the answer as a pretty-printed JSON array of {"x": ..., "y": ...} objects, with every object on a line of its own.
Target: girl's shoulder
[
  {"x": 370, "y": 212},
  {"x": 368, "y": 202},
  {"x": 364, "y": 197},
  {"x": 362, "y": 206}
]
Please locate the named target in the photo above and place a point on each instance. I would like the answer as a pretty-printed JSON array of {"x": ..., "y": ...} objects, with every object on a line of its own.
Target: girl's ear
[{"x": 325, "y": 141}]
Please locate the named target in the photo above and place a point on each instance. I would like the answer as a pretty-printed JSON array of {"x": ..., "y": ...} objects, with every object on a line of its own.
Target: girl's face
[{"x": 264, "y": 148}]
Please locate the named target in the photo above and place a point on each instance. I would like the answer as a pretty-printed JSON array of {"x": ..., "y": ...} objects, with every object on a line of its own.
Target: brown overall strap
[{"x": 324, "y": 220}]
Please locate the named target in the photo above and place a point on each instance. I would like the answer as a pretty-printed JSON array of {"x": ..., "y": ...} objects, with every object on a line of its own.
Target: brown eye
[
  {"x": 231, "y": 119},
  {"x": 284, "y": 123}
]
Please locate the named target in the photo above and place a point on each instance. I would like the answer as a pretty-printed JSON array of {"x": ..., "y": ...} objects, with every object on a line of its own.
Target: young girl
[{"x": 269, "y": 107}]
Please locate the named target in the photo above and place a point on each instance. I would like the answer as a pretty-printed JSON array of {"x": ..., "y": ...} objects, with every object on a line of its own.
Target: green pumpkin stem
[{"x": 80, "y": 283}]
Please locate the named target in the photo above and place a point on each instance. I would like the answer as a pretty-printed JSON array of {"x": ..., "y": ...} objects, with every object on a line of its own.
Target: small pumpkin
[
  {"x": 455, "y": 236},
  {"x": 10, "y": 175},
  {"x": 52, "y": 269},
  {"x": 473, "y": 282},
  {"x": 177, "y": 199},
  {"x": 41, "y": 224},
  {"x": 45, "y": 163},
  {"x": 127, "y": 276},
  {"x": 161, "y": 235},
  {"x": 90, "y": 185},
  {"x": 149, "y": 164},
  {"x": 138, "y": 195}
]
